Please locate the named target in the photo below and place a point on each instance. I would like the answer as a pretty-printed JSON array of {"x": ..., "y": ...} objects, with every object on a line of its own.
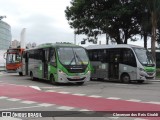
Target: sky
[{"x": 44, "y": 20}]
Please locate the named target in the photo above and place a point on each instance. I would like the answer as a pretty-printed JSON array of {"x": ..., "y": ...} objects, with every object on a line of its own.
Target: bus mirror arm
[{"x": 53, "y": 63}]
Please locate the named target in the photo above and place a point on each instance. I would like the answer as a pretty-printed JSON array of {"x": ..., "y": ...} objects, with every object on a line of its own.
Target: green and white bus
[
  {"x": 121, "y": 62},
  {"x": 59, "y": 63}
]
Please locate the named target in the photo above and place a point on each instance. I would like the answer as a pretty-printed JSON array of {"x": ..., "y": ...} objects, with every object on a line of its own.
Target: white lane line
[
  {"x": 84, "y": 110},
  {"x": 19, "y": 108},
  {"x": 9, "y": 118},
  {"x": 65, "y": 108},
  {"x": 35, "y": 87},
  {"x": 140, "y": 119},
  {"x": 64, "y": 92},
  {"x": 152, "y": 102},
  {"x": 13, "y": 99},
  {"x": 133, "y": 100},
  {"x": 46, "y": 104},
  {"x": 95, "y": 96},
  {"x": 113, "y": 117},
  {"x": 3, "y": 97},
  {"x": 28, "y": 102},
  {"x": 113, "y": 98},
  {"x": 79, "y": 94},
  {"x": 50, "y": 91},
  {"x": 51, "y": 87}
]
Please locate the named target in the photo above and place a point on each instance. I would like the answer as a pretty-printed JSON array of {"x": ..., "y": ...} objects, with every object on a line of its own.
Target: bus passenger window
[
  {"x": 129, "y": 58},
  {"x": 52, "y": 57}
]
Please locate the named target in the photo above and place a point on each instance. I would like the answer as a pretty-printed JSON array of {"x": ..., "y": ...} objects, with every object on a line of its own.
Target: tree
[
  {"x": 154, "y": 8},
  {"x": 116, "y": 18}
]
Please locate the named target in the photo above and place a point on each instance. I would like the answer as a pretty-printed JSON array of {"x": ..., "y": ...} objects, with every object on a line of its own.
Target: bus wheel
[
  {"x": 31, "y": 75},
  {"x": 52, "y": 80},
  {"x": 125, "y": 78},
  {"x": 80, "y": 83},
  {"x": 140, "y": 81},
  {"x": 20, "y": 74}
]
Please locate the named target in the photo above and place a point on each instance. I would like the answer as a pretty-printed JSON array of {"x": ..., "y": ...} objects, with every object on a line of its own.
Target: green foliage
[{"x": 120, "y": 19}]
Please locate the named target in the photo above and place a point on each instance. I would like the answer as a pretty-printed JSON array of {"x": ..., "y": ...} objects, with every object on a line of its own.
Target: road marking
[
  {"x": 84, "y": 110},
  {"x": 13, "y": 99},
  {"x": 113, "y": 98},
  {"x": 3, "y": 97},
  {"x": 9, "y": 118},
  {"x": 51, "y": 87},
  {"x": 28, "y": 102},
  {"x": 35, "y": 87},
  {"x": 152, "y": 102},
  {"x": 140, "y": 119},
  {"x": 65, "y": 108},
  {"x": 64, "y": 92},
  {"x": 46, "y": 104},
  {"x": 133, "y": 100},
  {"x": 95, "y": 96},
  {"x": 79, "y": 94},
  {"x": 19, "y": 108},
  {"x": 113, "y": 117},
  {"x": 50, "y": 91}
]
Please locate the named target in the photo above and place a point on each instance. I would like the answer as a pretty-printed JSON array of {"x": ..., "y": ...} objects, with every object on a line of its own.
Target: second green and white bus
[
  {"x": 59, "y": 63},
  {"x": 121, "y": 62}
]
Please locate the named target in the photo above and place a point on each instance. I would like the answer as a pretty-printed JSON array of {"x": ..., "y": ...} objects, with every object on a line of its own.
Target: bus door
[
  {"x": 26, "y": 63},
  {"x": 114, "y": 59},
  {"x": 45, "y": 63}
]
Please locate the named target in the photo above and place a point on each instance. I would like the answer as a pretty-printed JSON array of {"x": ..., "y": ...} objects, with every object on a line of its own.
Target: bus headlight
[
  {"x": 141, "y": 69},
  {"x": 88, "y": 72},
  {"x": 61, "y": 72}
]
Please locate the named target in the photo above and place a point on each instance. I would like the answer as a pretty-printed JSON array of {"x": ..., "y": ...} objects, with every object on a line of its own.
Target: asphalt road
[{"x": 19, "y": 93}]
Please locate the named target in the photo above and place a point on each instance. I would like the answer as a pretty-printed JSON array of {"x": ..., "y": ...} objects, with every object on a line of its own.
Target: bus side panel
[
  {"x": 52, "y": 70},
  {"x": 132, "y": 71},
  {"x": 100, "y": 70},
  {"x": 38, "y": 69}
]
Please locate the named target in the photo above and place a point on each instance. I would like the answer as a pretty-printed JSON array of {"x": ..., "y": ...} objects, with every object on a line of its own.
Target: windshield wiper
[
  {"x": 72, "y": 60},
  {"x": 79, "y": 58}
]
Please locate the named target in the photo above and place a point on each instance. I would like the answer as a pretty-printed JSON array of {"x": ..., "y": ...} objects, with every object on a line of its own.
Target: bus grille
[
  {"x": 70, "y": 79},
  {"x": 76, "y": 69}
]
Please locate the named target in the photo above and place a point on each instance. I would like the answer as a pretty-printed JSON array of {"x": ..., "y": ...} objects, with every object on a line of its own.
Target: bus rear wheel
[
  {"x": 31, "y": 75},
  {"x": 52, "y": 80},
  {"x": 125, "y": 78},
  {"x": 140, "y": 81},
  {"x": 20, "y": 74}
]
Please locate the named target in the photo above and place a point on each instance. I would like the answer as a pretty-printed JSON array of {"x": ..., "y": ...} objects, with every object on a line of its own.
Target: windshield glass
[
  {"x": 72, "y": 56},
  {"x": 13, "y": 58},
  {"x": 144, "y": 56}
]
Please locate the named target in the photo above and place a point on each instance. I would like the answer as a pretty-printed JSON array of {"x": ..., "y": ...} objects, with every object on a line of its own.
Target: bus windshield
[
  {"x": 13, "y": 58},
  {"x": 72, "y": 56},
  {"x": 144, "y": 56}
]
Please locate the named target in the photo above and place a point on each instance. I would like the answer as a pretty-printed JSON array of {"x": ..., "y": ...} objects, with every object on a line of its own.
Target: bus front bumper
[
  {"x": 147, "y": 75},
  {"x": 64, "y": 78}
]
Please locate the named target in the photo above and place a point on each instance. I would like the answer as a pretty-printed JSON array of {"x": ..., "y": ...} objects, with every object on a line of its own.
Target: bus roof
[
  {"x": 104, "y": 46},
  {"x": 47, "y": 45}
]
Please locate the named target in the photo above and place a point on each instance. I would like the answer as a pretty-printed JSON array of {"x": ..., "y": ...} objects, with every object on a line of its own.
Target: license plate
[{"x": 76, "y": 77}]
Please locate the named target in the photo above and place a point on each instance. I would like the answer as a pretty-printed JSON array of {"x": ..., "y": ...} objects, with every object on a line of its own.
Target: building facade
[
  {"x": 5, "y": 35},
  {"x": 15, "y": 44}
]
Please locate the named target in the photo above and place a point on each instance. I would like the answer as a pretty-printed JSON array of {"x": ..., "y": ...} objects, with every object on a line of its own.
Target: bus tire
[
  {"x": 125, "y": 78},
  {"x": 20, "y": 74},
  {"x": 31, "y": 75},
  {"x": 80, "y": 83},
  {"x": 140, "y": 81},
  {"x": 52, "y": 80}
]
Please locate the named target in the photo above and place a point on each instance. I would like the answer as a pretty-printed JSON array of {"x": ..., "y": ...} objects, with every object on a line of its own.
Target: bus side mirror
[{"x": 5, "y": 55}]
